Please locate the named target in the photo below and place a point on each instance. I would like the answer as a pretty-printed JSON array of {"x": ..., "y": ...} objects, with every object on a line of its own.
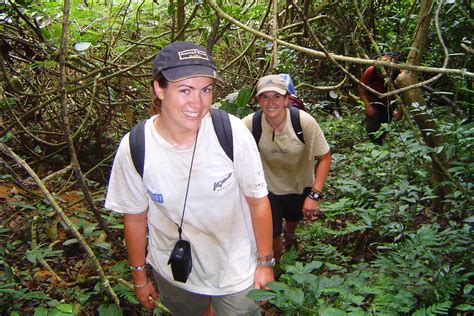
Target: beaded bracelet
[
  {"x": 137, "y": 286},
  {"x": 137, "y": 268}
]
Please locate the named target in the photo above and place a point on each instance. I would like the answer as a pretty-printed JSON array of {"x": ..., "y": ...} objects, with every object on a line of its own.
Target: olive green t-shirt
[{"x": 287, "y": 162}]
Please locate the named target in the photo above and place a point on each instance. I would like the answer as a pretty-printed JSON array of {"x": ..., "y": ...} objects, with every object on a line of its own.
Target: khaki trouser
[{"x": 182, "y": 302}]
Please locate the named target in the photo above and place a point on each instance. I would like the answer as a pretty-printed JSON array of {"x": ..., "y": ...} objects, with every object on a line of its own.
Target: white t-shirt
[
  {"x": 288, "y": 163},
  {"x": 217, "y": 219}
]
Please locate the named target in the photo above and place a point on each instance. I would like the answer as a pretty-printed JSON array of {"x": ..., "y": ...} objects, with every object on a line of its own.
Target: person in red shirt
[{"x": 378, "y": 110}]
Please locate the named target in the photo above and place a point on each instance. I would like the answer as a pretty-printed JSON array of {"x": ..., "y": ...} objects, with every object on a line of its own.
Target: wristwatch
[
  {"x": 266, "y": 263},
  {"x": 315, "y": 196}
]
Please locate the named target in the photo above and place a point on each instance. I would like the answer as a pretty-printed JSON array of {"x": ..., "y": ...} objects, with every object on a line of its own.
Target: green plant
[{"x": 237, "y": 104}]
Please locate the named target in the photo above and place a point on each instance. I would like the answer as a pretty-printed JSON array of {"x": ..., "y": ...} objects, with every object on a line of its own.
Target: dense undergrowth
[{"x": 377, "y": 248}]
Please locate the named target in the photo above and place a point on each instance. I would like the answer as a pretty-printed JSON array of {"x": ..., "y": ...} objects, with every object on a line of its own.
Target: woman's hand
[
  {"x": 310, "y": 208},
  {"x": 147, "y": 295},
  {"x": 263, "y": 276}
]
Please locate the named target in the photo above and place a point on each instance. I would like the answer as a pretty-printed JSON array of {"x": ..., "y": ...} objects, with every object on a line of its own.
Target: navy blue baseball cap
[{"x": 182, "y": 60}]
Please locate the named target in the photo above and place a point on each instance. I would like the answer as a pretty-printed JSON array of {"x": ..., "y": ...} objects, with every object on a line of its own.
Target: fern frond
[
  {"x": 126, "y": 294},
  {"x": 435, "y": 309}
]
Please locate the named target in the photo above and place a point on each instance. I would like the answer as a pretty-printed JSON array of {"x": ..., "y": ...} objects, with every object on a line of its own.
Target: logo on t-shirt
[
  {"x": 219, "y": 185},
  {"x": 158, "y": 198},
  {"x": 278, "y": 150}
]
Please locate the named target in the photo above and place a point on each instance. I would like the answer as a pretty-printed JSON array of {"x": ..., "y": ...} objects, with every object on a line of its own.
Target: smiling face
[
  {"x": 184, "y": 103},
  {"x": 273, "y": 104}
]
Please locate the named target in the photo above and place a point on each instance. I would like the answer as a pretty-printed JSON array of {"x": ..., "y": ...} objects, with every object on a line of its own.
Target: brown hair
[{"x": 155, "y": 106}]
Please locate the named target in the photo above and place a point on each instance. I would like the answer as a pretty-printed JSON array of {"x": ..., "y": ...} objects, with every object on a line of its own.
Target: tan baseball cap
[{"x": 272, "y": 83}]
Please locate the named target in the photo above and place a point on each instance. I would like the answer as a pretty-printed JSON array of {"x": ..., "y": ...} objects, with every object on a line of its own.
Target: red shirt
[{"x": 372, "y": 79}]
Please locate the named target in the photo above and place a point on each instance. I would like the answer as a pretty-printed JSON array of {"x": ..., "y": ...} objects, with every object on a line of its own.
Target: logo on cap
[{"x": 192, "y": 53}]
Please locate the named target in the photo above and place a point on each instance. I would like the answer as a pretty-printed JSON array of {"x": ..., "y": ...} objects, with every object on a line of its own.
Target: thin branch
[
  {"x": 122, "y": 24},
  {"x": 321, "y": 46},
  {"x": 57, "y": 173},
  {"x": 65, "y": 125},
  {"x": 459, "y": 72},
  {"x": 25, "y": 129},
  {"x": 42, "y": 261},
  {"x": 274, "y": 30},
  {"x": 83, "y": 86},
  {"x": 364, "y": 27},
  {"x": 323, "y": 88},
  {"x": 28, "y": 22},
  {"x": 109, "y": 157},
  {"x": 252, "y": 41},
  {"x": 89, "y": 109},
  {"x": 191, "y": 17},
  {"x": 70, "y": 226},
  {"x": 445, "y": 64}
]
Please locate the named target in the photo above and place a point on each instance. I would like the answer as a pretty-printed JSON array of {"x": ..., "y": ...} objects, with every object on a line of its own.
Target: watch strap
[
  {"x": 316, "y": 196},
  {"x": 266, "y": 263},
  {"x": 137, "y": 268}
]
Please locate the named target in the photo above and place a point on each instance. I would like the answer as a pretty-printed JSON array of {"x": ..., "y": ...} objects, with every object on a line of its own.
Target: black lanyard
[{"x": 180, "y": 227}]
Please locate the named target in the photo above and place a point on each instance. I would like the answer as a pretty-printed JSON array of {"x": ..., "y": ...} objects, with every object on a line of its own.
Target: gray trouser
[{"x": 182, "y": 302}]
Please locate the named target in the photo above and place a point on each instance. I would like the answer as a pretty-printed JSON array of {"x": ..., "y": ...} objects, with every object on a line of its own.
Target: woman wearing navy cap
[{"x": 220, "y": 205}]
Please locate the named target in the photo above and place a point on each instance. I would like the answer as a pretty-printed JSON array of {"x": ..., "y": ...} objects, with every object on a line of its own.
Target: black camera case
[{"x": 181, "y": 260}]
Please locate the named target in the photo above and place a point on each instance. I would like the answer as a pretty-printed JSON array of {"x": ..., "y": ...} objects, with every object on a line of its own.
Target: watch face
[{"x": 315, "y": 196}]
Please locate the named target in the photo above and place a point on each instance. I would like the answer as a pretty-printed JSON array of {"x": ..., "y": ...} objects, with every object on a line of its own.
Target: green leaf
[
  {"x": 4, "y": 230},
  {"x": 244, "y": 97},
  {"x": 469, "y": 219},
  {"x": 70, "y": 242},
  {"x": 31, "y": 256},
  {"x": 296, "y": 295},
  {"x": 296, "y": 268},
  {"x": 468, "y": 288},
  {"x": 22, "y": 205},
  {"x": 110, "y": 310},
  {"x": 331, "y": 311},
  {"x": 312, "y": 266},
  {"x": 277, "y": 286},
  {"x": 62, "y": 310},
  {"x": 89, "y": 228},
  {"x": 261, "y": 295},
  {"x": 103, "y": 245},
  {"x": 66, "y": 308},
  {"x": 41, "y": 311},
  {"x": 302, "y": 278},
  {"x": 465, "y": 307}
]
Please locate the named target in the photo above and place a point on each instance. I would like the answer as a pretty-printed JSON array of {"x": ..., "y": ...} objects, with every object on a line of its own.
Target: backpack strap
[
  {"x": 257, "y": 126},
  {"x": 295, "y": 121},
  {"x": 137, "y": 146},
  {"x": 223, "y": 129}
]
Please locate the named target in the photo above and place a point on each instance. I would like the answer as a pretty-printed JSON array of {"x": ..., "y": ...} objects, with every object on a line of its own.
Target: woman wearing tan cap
[{"x": 296, "y": 163}]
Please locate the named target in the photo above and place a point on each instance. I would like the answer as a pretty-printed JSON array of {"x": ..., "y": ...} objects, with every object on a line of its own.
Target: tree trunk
[
  {"x": 416, "y": 104},
  {"x": 180, "y": 19}
]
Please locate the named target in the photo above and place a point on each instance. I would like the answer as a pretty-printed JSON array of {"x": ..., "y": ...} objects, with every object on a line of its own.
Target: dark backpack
[
  {"x": 222, "y": 127},
  {"x": 295, "y": 121}
]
